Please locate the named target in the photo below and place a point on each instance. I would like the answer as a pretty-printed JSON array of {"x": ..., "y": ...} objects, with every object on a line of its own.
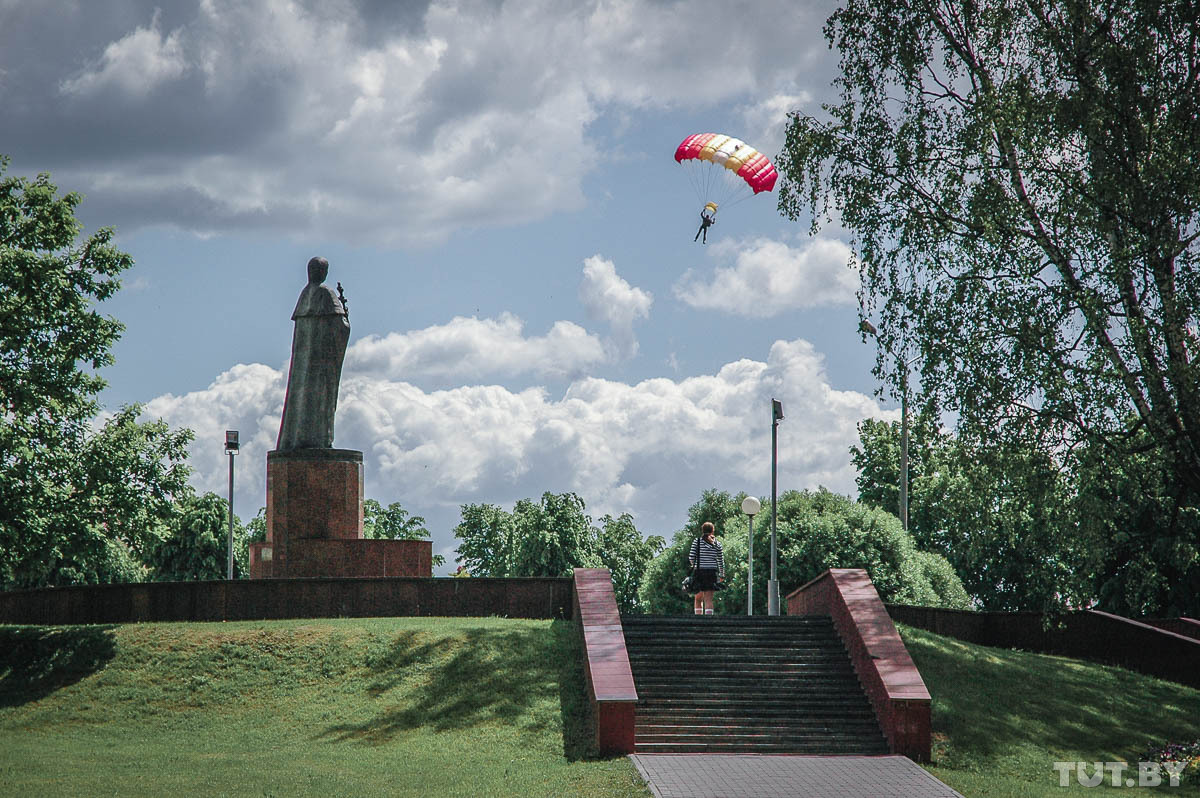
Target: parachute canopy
[{"x": 746, "y": 171}]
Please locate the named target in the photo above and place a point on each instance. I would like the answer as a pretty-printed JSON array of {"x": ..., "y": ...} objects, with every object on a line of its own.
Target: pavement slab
[{"x": 781, "y": 776}]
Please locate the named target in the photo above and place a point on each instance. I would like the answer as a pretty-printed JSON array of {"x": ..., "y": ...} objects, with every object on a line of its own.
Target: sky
[{"x": 493, "y": 183}]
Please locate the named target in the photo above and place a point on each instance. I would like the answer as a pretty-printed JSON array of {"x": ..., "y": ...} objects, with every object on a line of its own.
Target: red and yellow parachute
[{"x": 725, "y": 170}]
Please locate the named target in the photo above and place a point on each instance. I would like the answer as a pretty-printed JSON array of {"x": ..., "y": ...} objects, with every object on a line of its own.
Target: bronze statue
[{"x": 318, "y": 347}]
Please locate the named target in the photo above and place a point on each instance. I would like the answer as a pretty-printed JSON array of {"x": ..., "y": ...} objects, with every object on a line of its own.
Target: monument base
[{"x": 315, "y": 521}]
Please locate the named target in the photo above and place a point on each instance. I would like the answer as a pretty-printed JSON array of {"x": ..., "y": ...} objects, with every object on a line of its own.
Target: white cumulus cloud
[
  {"x": 766, "y": 119},
  {"x": 474, "y": 349},
  {"x": 769, "y": 277},
  {"x": 648, "y": 448},
  {"x": 134, "y": 65},
  {"x": 609, "y": 297}
]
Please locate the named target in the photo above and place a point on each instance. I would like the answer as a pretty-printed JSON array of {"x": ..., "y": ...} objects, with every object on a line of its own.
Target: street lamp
[
  {"x": 231, "y": 449},
  {"x": 773, "y": 583},
  {"x": 869, "y": 328},
  {"x": 750, "y": 506}
]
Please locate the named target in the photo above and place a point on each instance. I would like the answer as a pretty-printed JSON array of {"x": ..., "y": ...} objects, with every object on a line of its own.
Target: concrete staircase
[{"x": 738, "y": 684}]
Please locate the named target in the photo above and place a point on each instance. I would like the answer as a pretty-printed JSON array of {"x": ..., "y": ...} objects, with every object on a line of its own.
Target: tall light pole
[
  {"x": 773, "y": 583},
  {"x": 231, "y": 449},
  {"x": 869, "y": 328},
  {"x": 750, "y": 506}
]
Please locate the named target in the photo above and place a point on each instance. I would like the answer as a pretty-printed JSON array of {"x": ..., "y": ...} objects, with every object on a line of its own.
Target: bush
[{"x": 817, "y": 530}]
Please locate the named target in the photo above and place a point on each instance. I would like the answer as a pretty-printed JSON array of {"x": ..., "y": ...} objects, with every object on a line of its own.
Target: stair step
[
  {"x": 775, "y": 726},
  {"x": 654, "y": 714},
  {"x": 733, "y": 668},
  {"x": 754, "y": 681},
  {"x": 685, "y": 735},
  {"x": 764, "y": 747},
  {"x": 816, "y": 699},
  {"x": 740, "y": 684},
  {"x": 654, "y": 653}
]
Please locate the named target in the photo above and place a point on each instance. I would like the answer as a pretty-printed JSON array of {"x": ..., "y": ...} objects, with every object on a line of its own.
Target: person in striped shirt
[{"x": 707, "y": 561}]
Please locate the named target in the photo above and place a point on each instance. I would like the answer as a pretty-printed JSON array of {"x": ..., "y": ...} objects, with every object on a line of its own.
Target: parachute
[{"x": 723, "y": 170}]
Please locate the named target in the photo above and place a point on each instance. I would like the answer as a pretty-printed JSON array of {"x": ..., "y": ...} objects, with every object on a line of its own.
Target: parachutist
[{"x": 708, "y": 218}]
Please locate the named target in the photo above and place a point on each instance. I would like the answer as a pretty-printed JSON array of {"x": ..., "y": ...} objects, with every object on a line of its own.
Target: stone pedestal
[{"x": 315, "y": 521}]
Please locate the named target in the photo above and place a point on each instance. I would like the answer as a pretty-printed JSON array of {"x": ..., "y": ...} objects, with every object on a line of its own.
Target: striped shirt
[{"x": 711, "y": 555}]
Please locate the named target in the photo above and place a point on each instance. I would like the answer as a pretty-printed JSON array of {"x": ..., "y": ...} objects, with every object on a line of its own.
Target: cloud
[
  {"x": 248, "y": 398},
  {"x": 134, "y": 65},
  {"x": 766, "y": 119},
  {"x": 374, "y": 122},
  {"x": 770, "y": 277},
  {"x": 474, "y": 349},
  {"x": 647, "y": 448},
  {"x": 609, "y": 297}
]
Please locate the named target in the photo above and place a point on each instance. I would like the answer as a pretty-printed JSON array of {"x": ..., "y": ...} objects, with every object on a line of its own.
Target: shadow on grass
[
  {"x": 990, "y": 701},
  {"x": 578, "y": 723},
  {"x": 37, "y": 660},
  {"x": 458, "y": 682}
]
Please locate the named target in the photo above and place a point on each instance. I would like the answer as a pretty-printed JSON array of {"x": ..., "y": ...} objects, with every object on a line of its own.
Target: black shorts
[{"x": 704, "y": 579}]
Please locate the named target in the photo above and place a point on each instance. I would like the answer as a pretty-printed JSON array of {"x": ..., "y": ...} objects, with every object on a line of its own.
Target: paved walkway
[{"x": 766, "y": 776}]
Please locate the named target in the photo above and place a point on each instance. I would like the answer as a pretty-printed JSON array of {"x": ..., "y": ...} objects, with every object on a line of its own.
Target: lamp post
[
  {"x": 750, "y": 506},
  {"x": 773, "y": 583},
  {"x": 869, "y": 328},
  {"x": 231, "y": 449}
]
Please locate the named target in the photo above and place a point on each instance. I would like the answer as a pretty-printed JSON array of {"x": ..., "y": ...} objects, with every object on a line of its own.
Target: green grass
[
  {"x": 475, "y": 707},
  {"x": 407, "y": 706},
  {"x": 1002, "y": 718}
]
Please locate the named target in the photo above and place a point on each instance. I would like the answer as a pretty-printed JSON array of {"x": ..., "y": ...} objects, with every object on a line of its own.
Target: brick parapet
[
  {"x": 883, "y": 665},
  {"x": 606, "y": 661}
]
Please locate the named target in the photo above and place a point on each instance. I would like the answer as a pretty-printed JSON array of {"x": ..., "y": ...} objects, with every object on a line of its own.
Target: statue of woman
[{"x": 318, "y": 347}]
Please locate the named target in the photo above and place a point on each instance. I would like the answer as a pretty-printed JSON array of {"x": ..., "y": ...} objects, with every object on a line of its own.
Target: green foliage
[
  {"x": 625, "y": 553},
  {"x": 117, "y": 497},
  {"x": 1021, "y": 184},
  {"x": 937, "y": 584},
  {"x": 552, "y": 538},
  {"x": 547, "y": 538},
  {"x": 196, "y": 548},
  {"x": 486, "y": 540},
  {"x": 816, "y": 531},
  {"x": 132, "y": 473},
  {"x": 256, "y": 527},
  {"x": 394, "y": 523},
  {"x": 254, "y": 531},
  {"x": 1143, "y": 542},
  {"x": 391, "y": 523},
  {"x": 48, "y": 326},
  {"x": 76, "y": 505},
  {"x": 1002, "y": 515},
  {"x": 1026, "y": 534}
]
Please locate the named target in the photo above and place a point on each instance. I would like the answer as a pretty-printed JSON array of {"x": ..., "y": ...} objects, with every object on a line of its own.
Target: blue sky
[{"x": 493, "y": 184}]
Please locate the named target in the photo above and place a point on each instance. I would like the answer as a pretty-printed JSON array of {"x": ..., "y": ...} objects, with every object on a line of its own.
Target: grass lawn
[
  {"x": 1001, "y": 719},
  {"x": 403, "y": 706},
  {"x": 476, "y": 707}
]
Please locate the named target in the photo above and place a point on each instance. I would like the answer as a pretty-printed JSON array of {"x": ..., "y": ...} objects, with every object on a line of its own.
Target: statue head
[{"x": 318, "y": 270}]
